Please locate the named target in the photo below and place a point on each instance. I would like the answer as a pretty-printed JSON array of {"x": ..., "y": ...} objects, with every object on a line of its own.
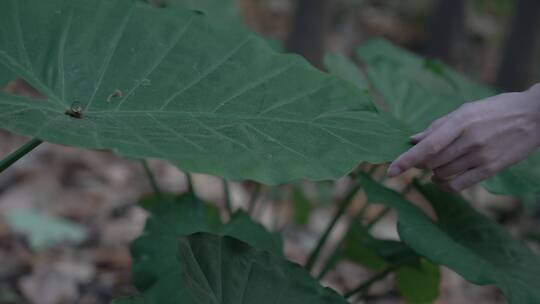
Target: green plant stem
[
  {"x": 227, "y": 197},
  {"x": 334, "y": 257},
  {"x": 364, "y": 286},
  {"x": 332, "y": 260},
  {"x": 189, "y": 180},
  {"x": 19, "y": 153},
  {"x": 151, "y": 177},
  {"x": 373, "y": 170},
  {"x": 253, "y": 199},
  {"x": 387, "y": 210},
  {"x": 362, "y": 212},
  {"x": 343, "y": 206},
  {"x": 377, "y": 218}
]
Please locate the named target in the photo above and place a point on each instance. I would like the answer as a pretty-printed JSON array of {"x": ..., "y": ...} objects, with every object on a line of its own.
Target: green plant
[{"x": 170, "y": 83}]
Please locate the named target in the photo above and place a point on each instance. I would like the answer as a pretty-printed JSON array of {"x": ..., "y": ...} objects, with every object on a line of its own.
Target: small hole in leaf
[{"x": 114, "y": 95}]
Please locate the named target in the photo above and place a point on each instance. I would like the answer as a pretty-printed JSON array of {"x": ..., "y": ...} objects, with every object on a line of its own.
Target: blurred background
[{"x": 67, "y": 216}]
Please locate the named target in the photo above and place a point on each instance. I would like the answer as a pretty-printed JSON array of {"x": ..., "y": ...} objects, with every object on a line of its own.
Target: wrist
[
  {"x": 533, "y": 101},
  {"x": 534, "y": 97}
]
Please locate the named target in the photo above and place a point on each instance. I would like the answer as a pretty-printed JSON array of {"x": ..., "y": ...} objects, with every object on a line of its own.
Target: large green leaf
[
  {"x": 154, "y": 252},
  {"x": 224, "y": 11},
  {"x": 5, "y": 76},
  {"x": 465, "y": 241},
  {"x": 418, "y": 91},
  {"x": 168, "y": 83},
  {"x": 213, "y": 269}
]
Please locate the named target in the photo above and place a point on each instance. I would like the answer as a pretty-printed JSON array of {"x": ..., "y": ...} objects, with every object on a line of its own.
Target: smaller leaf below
[{"x": 216, "y": 269}]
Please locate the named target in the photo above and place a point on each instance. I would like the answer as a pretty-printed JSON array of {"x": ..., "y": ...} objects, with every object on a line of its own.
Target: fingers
[
  {"x": 453, "y": 152},
  {"x": 455, "y": 167},
  {"x": 466, "y": 179},
  {"x": 434, "y": 143},
  {"x": 436, "y": 124}
]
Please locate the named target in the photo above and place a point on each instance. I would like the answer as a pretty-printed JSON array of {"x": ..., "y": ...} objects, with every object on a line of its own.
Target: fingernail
[{"x": 393, "y": 171}]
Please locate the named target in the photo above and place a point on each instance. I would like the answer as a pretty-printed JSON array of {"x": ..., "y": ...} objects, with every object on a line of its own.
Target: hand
[{"x": 476, "y": 141}]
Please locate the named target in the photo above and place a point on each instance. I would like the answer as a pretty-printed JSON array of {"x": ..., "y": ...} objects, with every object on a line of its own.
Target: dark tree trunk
[
  {"x": 518, "y": 60},
  {"x": 446, "y": 28},
  {"x": 308, "y": 32}
]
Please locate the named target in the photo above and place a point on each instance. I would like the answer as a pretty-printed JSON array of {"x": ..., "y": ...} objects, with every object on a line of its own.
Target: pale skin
[{"x": 476, "y": 141}]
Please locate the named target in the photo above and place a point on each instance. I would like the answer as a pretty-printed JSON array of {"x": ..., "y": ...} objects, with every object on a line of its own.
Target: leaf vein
[
  {"x": 159, "y": 60},
  {"x": 107, "y": 62},
  {"x": 207, "y": 72},
  {"x": 254, "y": 85}
]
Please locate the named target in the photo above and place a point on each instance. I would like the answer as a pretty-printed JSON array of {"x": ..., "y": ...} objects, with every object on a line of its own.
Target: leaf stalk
[
  {"x": 320, "y": 244},
  {"x": 253, "y": 199},
  {"x": 227, "y": 197},
  {"x": 151, "y": 177},
  {"x": 19, "y": 153}
]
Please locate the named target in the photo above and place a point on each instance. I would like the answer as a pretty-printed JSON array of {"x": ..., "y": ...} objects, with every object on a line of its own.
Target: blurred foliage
[
  {"x": 419, "y": 284},
  {"x": 379, "y": 255},
  {"x": 463, "y": 240},
  {"x": 499, "y": 8},
  {"x": 43, "y": 230},
  {"x": 302, "y": 207},
  {"x": 345, "y": 68}
]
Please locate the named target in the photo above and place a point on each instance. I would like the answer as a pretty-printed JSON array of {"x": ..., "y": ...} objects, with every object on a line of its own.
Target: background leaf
[
  {"x": 168, "y": 83},
  {"x": 417, "y": 91},
  {"x": 242, "y": 227},
  {"x": 518, "y": 180},
  {"x": 464, "y": 241},
  {"x": 345, "y": 68},
  {"x": 214, "y": 269},
  {"x": 419, "y": 284}
]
